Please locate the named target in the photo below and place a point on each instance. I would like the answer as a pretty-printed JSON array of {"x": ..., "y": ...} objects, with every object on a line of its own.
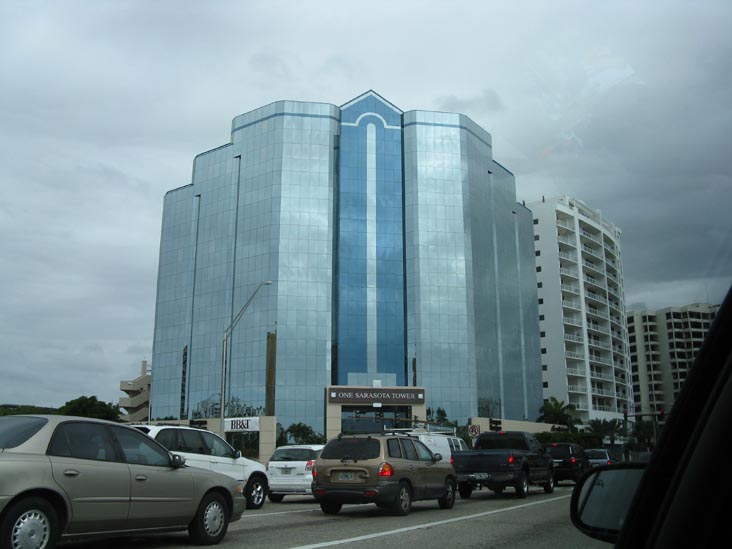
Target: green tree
[
  {"x": 90, "y": 406},
  {"x": 304, "y": 434},
  {"x": 441, "y": 416},
  {"x": 12, "y": 409},
  {"x": 615, "y": 429},
  {"x": 641, "y": 439},
  {"x": 557, "y": 412}
]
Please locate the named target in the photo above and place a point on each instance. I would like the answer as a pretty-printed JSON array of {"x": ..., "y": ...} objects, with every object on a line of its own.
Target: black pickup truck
[{"x": 501, "y": 459}]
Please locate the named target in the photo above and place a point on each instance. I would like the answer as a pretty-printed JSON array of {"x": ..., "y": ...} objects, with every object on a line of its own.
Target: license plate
[
  {"x": 285, "y": 471},
  {"x": 482, "y": 476},
  {"x": 345, "y": 476}
]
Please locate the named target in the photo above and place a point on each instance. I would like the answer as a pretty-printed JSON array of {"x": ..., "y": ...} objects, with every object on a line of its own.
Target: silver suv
[
  {"x": 207, "y": 450},
  {"x": 390, "y": 470}
]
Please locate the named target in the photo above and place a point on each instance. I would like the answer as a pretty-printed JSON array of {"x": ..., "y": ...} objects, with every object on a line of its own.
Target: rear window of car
[
  {"x": 293, "y": 454},
  {"x": 15, "y": 430},
  {"x": 501, "y": 442},
  {"x": 596, "y": 454},
  {"x": 352, "y": 448},
  {"x": 559, "y": 451}
]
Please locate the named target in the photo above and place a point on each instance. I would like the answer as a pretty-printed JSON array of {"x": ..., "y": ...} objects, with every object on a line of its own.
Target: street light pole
[{"x": 225, "y": 349}]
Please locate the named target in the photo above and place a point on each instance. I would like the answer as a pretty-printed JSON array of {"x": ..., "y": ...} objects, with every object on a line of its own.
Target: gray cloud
[{"x": 622, "y": 105}]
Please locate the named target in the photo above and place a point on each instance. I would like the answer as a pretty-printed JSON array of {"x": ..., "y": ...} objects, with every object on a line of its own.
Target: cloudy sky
[{"x": 103, "y": 106}]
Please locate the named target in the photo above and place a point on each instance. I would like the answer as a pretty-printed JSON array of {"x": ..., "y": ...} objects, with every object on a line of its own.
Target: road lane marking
[{"x": 427, "y": 525}]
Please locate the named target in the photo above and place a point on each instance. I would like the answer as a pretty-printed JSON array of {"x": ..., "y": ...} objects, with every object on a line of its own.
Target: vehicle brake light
[
  {"x": 385, "y": 470},
  {"x": 310, "y": 466},
  {"x": 452, "y": 460},
  {"x": 511, "y": 459},
  {"x": 609, "y": 462},
  {"x": 573, "y": 460},
  {"x": 314, "y": 471}
]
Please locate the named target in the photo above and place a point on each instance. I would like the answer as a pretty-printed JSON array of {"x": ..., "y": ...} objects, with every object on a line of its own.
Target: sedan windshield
[{"x": 15, "y": 430}]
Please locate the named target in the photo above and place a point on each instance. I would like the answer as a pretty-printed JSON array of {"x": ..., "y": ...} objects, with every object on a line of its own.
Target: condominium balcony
[
  {"x": 600, "y": 359},
  {"x": 599, "y": 375},
  {"x": 574, "y": 273},
  {"x": 571, "y": 304},
  {"x": 573, "y": 321},
  {"x": 565, "y": 224},
  {"x": 589, "y": 236},
  {"x": 573, "y": 338},
  {"x": 597, "y": 312},
  {"x": 576, "y": 389},
  {"x": 600, "y": 344},
  {"x": 594, "y": 266},
  {"x": 568, "y": 257},
  {"x": 576, "y": 372},
  {"x": 574, "y": 356},
  {"x": 568, "y": 241},
  {"x": 569, "y": 288}
]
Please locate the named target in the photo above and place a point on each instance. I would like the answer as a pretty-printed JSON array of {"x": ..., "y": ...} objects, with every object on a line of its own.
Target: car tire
[
  {"x": 209, "y": 525},
  {"x": 522, "y": 485},
  {"x": 275, "y": 498},
  {"x": 30, "y": 522},
  {"x": 465, "y": 490},
  {"x": 255, "y": 490},
  {"x": 447, "y": 501},
  {"x": 549, "y": 485},
  {"x": 403, "y": 502},
  {"x": 330, "y": 508}
]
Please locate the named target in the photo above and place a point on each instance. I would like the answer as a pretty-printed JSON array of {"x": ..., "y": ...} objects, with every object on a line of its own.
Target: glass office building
[{"x": 398, "y": 256}]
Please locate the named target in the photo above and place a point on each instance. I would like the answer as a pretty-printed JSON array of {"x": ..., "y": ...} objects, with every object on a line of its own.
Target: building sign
[
  {"x": 375, "y": 395},
  {"x": 241, "y": 424}
]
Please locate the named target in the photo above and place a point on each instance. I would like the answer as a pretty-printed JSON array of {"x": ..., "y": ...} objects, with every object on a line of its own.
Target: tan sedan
[{"x": 62, "y": 477}]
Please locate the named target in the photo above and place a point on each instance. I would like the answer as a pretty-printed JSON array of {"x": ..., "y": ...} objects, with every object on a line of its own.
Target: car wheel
[
  {"x": 465, "y": 490},
  {"x": 330, "y": 508},
  {"x": 209, "y": 525},
  {"x": 275, "y": 498},
  {"x": 403, "y": 502},
  {"x": 549, "y": 486},
  {"x": 30, "y": 523},
  {"x": 256, "y": 489},
  {"x": 448, "y": 500},
  {"x": 522, "y": 486}
]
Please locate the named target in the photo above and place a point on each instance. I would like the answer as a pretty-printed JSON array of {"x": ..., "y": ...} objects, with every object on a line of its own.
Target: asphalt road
[{"x": 485, "y": 521}]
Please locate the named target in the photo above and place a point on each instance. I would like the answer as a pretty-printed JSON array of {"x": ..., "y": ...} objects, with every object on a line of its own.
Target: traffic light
[{"x": 495, "y": 424}]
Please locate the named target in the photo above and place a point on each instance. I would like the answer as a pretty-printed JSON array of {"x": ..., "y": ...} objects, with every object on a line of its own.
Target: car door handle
[
  {"x": 71, "y": 473},
  {"x": 141, "y": 478}
]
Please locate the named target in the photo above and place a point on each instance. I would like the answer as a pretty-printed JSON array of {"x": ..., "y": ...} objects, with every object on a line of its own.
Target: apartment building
[{"x": 583, "y": 332}]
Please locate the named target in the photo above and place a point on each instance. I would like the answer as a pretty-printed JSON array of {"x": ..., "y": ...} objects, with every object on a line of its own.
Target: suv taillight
[
  {"x": 385, "y": 470},
  {"x": 310, "y": 466}
]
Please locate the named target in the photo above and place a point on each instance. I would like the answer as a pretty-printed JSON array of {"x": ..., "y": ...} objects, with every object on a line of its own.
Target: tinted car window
[
  {"x": 408, "y": 448},
  {"x": 217, "y": 446},
  {"x": 393, "y": 447},
  {"x": 167, "y": 438},
  {"x": 192, "y": 442},
  {"x": 82, "y": 441},
  {"x": 501, "y": 443},
  {"x": 422, "y": 451},
  {"x": 14, "y": 431},
  {"x": 139, "y": 449},
  {"x": 352, "y": 448},
  {"x": 293, "y": 454},
  {"x": 596, "y": 454},
  {"x": 559, "y": 452}
]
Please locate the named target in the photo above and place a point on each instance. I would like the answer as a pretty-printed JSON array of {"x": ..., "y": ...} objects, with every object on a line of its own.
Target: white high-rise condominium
[
  {"x": 584, "y": 336},
  {"x": 663, "y": 345}
]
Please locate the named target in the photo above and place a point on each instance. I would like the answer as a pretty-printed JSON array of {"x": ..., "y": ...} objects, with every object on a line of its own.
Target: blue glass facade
[
  {"x": 397, "y": 253},
  {"x": 370, "y": 256}
]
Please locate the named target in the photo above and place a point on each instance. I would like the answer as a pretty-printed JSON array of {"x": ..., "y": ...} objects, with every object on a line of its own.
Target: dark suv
[
  {"x": 390, "y": 470},
  {"x": 570, "y": 461}
]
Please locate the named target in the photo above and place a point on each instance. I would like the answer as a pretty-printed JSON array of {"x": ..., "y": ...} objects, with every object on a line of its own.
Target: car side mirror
[
  {"x": 237, "y": 454},
  {"x": 176, "y": 461},
  {"x": 601, "y": 499},
  {"x": 436, "y": 457}
]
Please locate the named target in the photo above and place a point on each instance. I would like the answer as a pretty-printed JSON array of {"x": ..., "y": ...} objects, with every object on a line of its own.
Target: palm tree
[
  {"x": 614, "y": 428},
  {"x": 557, "y": 412},
  {"x": 598, "y": 427}
]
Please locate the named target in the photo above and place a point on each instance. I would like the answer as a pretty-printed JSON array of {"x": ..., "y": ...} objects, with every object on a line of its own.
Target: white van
[{"x": 439, "y": 443}]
